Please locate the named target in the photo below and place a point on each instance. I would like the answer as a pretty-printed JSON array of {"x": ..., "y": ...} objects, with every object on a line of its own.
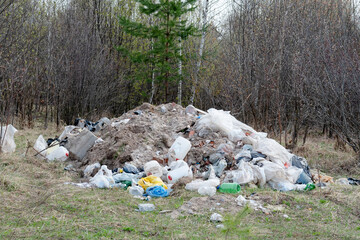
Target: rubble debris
[
  {"x": 256, "y": 205},
  {"x": 79, "y": 145},
  {"x": 215, "y": 217}
]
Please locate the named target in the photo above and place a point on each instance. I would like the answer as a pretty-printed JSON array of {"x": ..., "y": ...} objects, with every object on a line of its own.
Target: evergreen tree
[{"x": 171, "y": 25}]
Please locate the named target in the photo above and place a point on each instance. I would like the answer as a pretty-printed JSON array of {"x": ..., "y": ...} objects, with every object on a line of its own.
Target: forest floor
[{"x": 36, "y": 204}]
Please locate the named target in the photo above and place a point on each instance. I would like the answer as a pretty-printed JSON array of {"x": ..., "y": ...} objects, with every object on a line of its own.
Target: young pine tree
[{"x": 171, "y": 25}]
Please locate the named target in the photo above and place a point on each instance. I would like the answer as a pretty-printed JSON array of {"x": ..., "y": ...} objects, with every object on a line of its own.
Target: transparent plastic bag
[{"x": 7, "y": 139}]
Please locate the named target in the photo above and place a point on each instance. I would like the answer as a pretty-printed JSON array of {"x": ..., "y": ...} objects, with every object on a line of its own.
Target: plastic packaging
[
  {"x": 146, "y": 207},
  {"x": 198, "y": 183},
  {"x": 219, "y": 167},
  {"x": 179, "y": 149},
  {"x": 179, "y": 170},
  {"x": 7, "y": 139},
  {"x": 219, "y": 120},
  {"x": 40, "y": 146},
  {"x": 90, "y": 168},
  {"x": 157, "y": 191},
  {"x": 301, "y": 162},
  {"x": 150, "y": 181},
  {"x": 243, "y": 175},
  {"x": 210, "y": 174},
  {"x": 153, "y": 168},
  {"x": 129, "y": 168},
  {"x": 303, "y": 179},
  {"x": 103, "y": 178},
  {"x": 126, "y": 177},
  {"x": 207, "y": 190},
  {"x": 272, "y": 149},
  {"x": 60, "y": 154},
  {"x": 229, "y": 188},
  {"x": 216, "y": 157},
  {"x": 293, "y": 173},
  {"x": 136, "y": 191},
  {"x": 283, "y": 185}
]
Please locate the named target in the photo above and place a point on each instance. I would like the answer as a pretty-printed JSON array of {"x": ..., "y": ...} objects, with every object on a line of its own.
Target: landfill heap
[{"x": 167, "y": 144}]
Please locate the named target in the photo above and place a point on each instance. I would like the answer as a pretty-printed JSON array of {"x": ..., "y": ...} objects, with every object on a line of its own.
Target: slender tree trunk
[
  {"x": 201, "y": 49},
  {"x": 180, "y": 75}
]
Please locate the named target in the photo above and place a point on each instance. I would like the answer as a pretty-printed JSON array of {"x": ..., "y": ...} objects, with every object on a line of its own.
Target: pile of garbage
[{"x": 151, "y": 150}]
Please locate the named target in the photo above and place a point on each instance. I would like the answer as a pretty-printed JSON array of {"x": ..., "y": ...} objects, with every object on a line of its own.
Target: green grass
[{"x": 36, "y": 204}]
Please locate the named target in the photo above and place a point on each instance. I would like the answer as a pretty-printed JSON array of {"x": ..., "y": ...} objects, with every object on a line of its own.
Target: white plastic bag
[
  {"x": 219, "y": 120},
  {"x": 293, "y": 173},
  {"x": 136, "y": 191},
  {"x": 241, "y": 176},
  {"x": 7, "y": 139},
  {"x": 40, "y": 146},
  {"x": 90, "y": 168},
  {"x": 207, "y": 190},
  {"x": 103, "y": 178},
  {"x": 272, "y": 149},
  {"x": 272, "y": 170},
  {"x": 282, "y": 185},
  {"x": 198, "y": 183}
]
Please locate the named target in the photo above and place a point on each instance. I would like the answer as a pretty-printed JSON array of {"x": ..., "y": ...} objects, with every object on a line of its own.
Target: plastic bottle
[
  {"x": 179, "y": 149},
  {"x": 60, "y": 154},
  {"x": 309, "y": 186},
  {"x": 153, "y": 168},
  {"x": 179, "y": 170},
  {"x": 229, "y": 188}
]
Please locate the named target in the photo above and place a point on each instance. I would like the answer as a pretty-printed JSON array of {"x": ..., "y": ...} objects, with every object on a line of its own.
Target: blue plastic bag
[{"x": 156, "y": 191}]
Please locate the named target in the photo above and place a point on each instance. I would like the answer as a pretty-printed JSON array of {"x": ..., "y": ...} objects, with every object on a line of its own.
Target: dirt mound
[{"x": 140, "y": 135}]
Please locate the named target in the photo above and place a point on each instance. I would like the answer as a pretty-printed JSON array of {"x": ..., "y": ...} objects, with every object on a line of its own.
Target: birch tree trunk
[
  {"x": 180, "y": 74},
  {"x": 201, "y": 49}
]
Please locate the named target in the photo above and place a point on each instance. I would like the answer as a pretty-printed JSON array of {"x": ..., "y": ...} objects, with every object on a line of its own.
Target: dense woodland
[{"x": 282, "y": 66}]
